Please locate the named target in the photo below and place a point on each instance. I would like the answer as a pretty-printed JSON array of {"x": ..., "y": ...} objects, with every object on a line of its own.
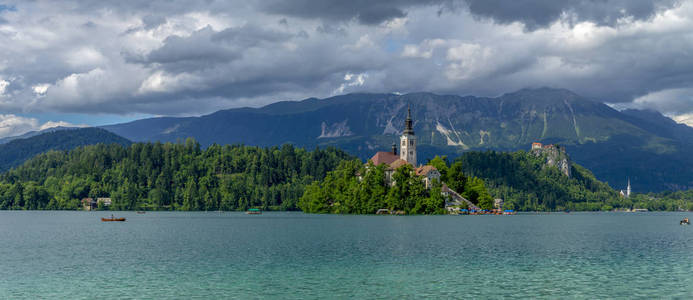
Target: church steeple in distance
[
  {"x": 408, "y": 141},
  {"x": 408, "y": 127}
]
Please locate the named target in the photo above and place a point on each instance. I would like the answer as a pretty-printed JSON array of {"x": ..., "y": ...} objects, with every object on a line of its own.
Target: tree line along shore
[{"x": 183, "y": 176}]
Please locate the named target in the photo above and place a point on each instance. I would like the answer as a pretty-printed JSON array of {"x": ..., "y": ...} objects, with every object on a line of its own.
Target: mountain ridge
[
  {"x": 450, "y": 125},
  {"x": 17, "y": 151}
]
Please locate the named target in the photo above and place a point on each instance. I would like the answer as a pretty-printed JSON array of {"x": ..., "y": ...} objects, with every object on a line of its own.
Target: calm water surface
[{"x": 294, "y": 255}]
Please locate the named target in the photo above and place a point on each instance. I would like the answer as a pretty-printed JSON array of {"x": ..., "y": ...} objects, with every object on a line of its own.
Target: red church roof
[{"x": 383, "y": 157}]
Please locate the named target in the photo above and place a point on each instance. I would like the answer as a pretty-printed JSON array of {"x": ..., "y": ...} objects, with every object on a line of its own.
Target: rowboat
[
  {"x": 254, "y": 211},
  {"x": 112, "y": 219}
]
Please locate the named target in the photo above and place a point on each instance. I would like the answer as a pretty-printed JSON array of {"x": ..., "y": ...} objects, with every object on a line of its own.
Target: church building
[
  {"x": 626, "y": 193},
  {"x": 407, "y": 155},
  {"x": 408, "y": 141}
]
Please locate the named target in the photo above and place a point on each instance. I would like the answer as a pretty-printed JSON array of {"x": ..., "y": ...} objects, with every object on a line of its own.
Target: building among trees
[
  {"x": 407, "y": 156},
  {"x": 408, "y": 141}
]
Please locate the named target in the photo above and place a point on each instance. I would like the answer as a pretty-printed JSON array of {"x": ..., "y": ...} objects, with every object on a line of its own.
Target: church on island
[{"x": 407, "y": 156}]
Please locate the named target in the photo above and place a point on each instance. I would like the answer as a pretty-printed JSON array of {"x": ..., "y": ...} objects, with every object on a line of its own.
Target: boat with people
[
  {"x": 685, "y": 221},
  {"x": 253, "y": 211},
  {"x": 112, "y": 219}
]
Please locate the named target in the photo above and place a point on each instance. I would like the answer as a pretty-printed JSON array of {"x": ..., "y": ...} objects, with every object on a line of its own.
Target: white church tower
[{"x": 408, "y": 141}]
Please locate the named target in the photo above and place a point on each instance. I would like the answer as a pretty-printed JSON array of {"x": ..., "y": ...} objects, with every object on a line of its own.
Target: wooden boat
[
  {"x": 112, "y": 219},
  {"x": 254, "y": 211}
]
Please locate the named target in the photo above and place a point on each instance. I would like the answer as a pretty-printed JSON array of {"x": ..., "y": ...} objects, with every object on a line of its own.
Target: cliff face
[{"x": 556, "y": 156}]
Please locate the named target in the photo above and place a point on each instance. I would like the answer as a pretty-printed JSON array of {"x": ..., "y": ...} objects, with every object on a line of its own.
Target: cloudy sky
[{"x": 99, "y": 62}]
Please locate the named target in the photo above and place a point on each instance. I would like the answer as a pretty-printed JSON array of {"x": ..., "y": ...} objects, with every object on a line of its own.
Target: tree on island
[{"x": 342, "y": 192}]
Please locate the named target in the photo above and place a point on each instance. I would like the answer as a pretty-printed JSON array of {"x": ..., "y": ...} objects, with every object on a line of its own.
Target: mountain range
[{"x": 644, "y": 146}]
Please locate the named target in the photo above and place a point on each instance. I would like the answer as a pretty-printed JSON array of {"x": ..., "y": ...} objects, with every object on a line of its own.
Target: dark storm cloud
[
  {"x": 181, "y": 57},
  {"x": 365, "y": 11},
  {"x": 153, "y": 21},
  {"x": 541, "y": 13},
  {"x": 207, "y": 48},
  {"x": 533, "y": 13}
]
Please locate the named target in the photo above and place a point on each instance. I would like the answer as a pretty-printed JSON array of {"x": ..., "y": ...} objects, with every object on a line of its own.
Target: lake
[{"x": 289, "y": 255}]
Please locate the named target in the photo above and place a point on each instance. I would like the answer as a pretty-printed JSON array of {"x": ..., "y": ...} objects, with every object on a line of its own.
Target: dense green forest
[
  {"x": 343, "y": 192},
  {"x": 670, "y": 200},
  {"x": 183, "y": 176},
  {"x": 526, "y": 183},
  {"x": 168, "y": 177}
]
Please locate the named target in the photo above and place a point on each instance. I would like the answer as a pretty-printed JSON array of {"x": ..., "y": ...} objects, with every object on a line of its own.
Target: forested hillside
[
  {"x": 167, "y": 177},
  {"x": 17, "y": 151},
  {"x": 526, "y": 183},
  {"x": 183, "y": 176}
]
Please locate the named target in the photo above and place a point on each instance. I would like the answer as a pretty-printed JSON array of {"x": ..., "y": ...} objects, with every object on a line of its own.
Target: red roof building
[
  {"x": 383, "y": 157},
  {"x": 429, "y": 173}
]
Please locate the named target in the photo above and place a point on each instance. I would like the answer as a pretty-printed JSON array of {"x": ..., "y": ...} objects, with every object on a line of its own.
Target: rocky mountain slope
[{"x": 647, "y": 147}]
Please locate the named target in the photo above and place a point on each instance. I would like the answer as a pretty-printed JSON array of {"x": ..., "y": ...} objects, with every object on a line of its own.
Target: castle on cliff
[{"x": 555, "y": 156}]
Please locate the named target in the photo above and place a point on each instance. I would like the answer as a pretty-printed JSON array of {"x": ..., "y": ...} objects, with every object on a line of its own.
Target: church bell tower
[{"x": 408, "y": 141}]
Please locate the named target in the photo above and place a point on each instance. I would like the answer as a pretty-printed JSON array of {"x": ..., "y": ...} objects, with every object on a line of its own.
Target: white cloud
[
  {"x": 670, "y": 101},
  {"x": 162, "y": 82},
  {"x": 469, "y": 60},
  {"x": 52, "y": 124},
  {"x": 40, "y": 89},
  {"x": 85, "y": 57},
  {"x": 13, "y": 125},
  {"x": 352, "y": 80},
  {"x": 686, "y": 119},
  {"x": 424, "y": 49},
  {"x": 3, "y": 86}
]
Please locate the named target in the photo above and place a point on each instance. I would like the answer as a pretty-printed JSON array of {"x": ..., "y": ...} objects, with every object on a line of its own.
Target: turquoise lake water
[{"x": 296, "y": 256}]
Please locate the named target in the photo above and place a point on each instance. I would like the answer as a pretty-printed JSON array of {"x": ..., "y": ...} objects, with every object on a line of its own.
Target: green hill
[
  {"x": 17, "y": 151},
  {"x": 525, "y": 182},
  {"x": 167, "y": 176}
]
